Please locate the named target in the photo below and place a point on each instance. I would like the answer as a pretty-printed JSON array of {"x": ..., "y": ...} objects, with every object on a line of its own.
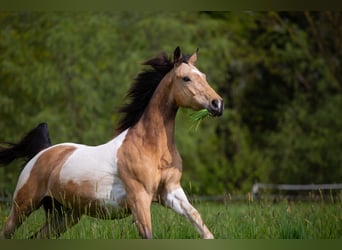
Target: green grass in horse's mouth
[{"x": 198, "y": 116}]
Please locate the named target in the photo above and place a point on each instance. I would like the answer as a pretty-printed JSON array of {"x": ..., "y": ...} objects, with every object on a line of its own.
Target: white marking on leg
[{"x": 177, "y": 201}]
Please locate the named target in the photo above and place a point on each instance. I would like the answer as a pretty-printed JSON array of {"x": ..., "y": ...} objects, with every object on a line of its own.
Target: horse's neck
[{"x": 158, "y": 120}]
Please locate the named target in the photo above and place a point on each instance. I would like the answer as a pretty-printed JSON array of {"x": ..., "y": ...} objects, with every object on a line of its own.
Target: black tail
[{"x": 31, "y": 144}]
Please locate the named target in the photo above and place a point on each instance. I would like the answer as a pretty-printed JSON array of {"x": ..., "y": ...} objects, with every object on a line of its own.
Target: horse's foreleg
[
  {"x": 140, "y": 205},
  {"x": 178, "y": 202}
]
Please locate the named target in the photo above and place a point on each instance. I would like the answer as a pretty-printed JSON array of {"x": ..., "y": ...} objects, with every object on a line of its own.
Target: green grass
[
  {"x": 197, "y": 117},
  {"x": 243, "y": 220}
]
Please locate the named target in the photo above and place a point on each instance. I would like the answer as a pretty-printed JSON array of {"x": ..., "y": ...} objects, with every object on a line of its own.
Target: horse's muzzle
[{"x": 216, "y": 107}]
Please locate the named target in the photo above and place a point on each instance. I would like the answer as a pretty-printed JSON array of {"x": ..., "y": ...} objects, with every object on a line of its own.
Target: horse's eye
[{"x": 186, "y": 79}]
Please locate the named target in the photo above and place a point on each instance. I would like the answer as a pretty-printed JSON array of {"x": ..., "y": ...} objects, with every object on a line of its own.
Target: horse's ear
[
  {"x": 177, "y": 56},
  {"x": 193, "y": 57}
]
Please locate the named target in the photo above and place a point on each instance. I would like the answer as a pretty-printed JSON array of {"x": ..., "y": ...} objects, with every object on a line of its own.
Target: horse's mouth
[{"x": 215, "y": 113}]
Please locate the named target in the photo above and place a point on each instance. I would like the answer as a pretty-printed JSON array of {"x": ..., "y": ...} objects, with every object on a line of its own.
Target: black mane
[{"x": 142, "y": 90}]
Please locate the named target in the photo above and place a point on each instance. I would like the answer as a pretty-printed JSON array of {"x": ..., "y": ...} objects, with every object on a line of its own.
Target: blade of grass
[{"x": 198, "y": 116}]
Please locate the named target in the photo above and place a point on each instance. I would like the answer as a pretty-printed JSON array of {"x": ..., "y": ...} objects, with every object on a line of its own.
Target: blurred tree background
[{"x": 278, "y": 72}]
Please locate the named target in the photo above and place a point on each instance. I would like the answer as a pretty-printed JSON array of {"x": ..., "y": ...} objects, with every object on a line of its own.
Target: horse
[{"x": 123, "y": 176}]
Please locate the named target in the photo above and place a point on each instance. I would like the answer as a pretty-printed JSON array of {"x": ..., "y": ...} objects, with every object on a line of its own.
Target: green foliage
[
  {"x": 277, "y": 72},
  {"x": 309, "y": 143}
]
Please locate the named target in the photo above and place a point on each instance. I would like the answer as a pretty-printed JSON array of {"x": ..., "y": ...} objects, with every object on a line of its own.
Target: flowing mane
[{"x": 142, "y": 90}]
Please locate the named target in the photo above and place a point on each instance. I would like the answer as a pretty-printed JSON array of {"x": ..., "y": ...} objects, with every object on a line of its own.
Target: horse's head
[{"x": 190, "y": 87}]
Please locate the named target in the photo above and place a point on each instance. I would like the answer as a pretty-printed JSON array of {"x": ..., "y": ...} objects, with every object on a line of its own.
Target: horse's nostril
[
  {"x": 215, "y": 103},
  {"x": 216, "y": 107}
]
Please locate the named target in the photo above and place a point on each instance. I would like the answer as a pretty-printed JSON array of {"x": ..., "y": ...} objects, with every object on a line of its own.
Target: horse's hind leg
[
  {"x": 58, "y": 219},
  {"x": 16, "y": 217},
  {"x": 12, "y": 223}
]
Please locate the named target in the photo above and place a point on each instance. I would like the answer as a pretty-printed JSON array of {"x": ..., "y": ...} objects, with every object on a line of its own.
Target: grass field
[{"x": 232, "y": 220}]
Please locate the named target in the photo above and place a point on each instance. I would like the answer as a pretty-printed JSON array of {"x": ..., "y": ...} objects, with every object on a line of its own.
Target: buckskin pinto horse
[{"x": 125, "y": 175}]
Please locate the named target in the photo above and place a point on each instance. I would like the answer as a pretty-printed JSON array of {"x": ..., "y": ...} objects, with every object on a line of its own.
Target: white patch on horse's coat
[{"x": 97, "y": 165}]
